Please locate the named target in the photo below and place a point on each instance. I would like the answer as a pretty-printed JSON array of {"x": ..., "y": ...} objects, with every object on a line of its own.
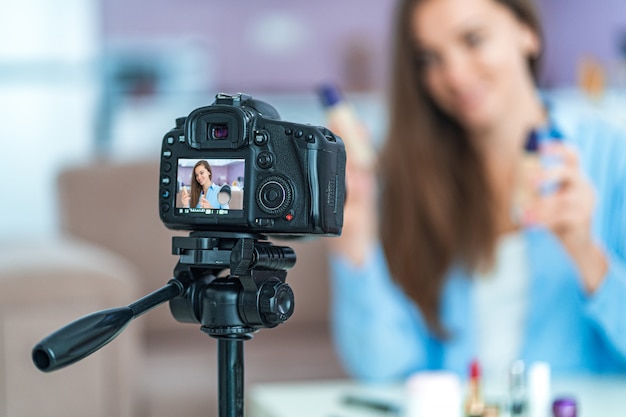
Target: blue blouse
[
  {"x": 211, "y": 196},
  {"x": 380, "y": 333}
]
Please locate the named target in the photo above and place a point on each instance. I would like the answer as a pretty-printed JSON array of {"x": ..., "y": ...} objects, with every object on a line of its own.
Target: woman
[
  {"x": 468, "y": 281},
  {"x": 204, "y": 193}
]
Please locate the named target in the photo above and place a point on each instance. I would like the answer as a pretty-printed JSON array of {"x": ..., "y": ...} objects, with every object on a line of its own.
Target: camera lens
[
  {"x": 274, "y": 195},
  {"x": 219, "y": 132}
]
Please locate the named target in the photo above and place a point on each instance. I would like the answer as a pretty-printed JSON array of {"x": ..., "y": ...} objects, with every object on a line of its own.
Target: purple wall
[
  {"x": 228, "y": 173},
  {"x": 286, "y": 45},
  {"x": 268, "y": 45},
  {"x": 576, "y": 28}
]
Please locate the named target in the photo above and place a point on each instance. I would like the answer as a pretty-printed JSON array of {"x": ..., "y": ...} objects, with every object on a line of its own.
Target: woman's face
[
  {"x": 202, "y": 176},
  {"x": 474, "y": 56}
]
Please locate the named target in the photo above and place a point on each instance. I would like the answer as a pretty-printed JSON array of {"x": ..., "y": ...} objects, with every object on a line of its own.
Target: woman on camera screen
[
  {"x": 204, "y": 192},
  {"x": 450, "y": 274}
]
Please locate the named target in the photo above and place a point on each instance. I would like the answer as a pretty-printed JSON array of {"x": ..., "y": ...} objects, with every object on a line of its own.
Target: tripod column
[{"x": 230, "y": 368}]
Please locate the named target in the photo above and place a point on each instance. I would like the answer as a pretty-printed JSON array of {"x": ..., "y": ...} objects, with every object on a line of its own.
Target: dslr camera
[{"x": 234, "y": 166}]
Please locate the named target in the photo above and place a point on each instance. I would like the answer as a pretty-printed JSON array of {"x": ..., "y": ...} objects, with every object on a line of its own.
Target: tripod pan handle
[{"x": 80, "y": 338}]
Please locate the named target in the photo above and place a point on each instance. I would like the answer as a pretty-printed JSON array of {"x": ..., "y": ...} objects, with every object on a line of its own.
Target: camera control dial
[{"x": 274, "y": 195}]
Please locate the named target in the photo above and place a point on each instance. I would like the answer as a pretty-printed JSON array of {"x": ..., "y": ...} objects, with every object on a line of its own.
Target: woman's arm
[
  {"x": 568, "y": 212},
  {"x": 607, "y": 304},
  {"x": 379, "y": 333}
]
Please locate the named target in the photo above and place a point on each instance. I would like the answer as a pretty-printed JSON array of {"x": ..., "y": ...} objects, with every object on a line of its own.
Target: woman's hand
[
  {"x": 359, "y": 215},
  {"x": 185, "y": 197},
  {"x": 204, "y": 203},
  {"x": 567, "y": 212}
]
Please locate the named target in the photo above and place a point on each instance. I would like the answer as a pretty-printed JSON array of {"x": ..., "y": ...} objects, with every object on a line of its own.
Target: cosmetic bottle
[
  {"x": 539, "y": 389},
  {"x": 564, "y": 407},
  {"x": 343, "y": 121},
  {"x": 474, "y": 404},
  {"x": 518, "y": 401},
  {"x": 433, "y": 393},
  {"x": 535, "y": 160},
  {"x": 545, "y": 136},
  {"x": 526, "y": 192}
]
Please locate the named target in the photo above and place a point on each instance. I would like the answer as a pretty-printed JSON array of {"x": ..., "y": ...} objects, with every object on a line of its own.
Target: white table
[{"x": 596, "y": 397}]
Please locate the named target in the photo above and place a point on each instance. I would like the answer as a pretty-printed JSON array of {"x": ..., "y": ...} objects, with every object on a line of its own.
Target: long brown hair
[
  {"x": 196, "y": 188},
  {"x": 437, "y": 207}
]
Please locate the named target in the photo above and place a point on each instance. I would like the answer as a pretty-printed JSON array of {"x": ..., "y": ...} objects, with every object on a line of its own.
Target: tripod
[{"x": 230, "y": 308}]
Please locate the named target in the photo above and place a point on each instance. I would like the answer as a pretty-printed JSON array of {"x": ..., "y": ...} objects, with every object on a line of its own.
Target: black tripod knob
[{"x": 276, "y": 302}]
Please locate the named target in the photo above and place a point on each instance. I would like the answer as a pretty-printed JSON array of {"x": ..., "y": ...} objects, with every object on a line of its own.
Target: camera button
[
  {"x": 165, "y": 194},
  {"x": 288, "y": 131},
  {"x": 265, "y": 160},
  {"x": 310, "y": 138},
  {"x": 260, "y": 138},
  {"x": 170, "y": 140},
  {"x": 167, "y": 153},
  {"x": 299, "y": 133},
  {"x": 265, "y": 222},
  {"x": 165, "y": 180},
  {"x": 167, "y": 167}
]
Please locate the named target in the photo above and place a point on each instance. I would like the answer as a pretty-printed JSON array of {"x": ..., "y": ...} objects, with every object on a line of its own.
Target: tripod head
[{"x": 254, "y": 295}]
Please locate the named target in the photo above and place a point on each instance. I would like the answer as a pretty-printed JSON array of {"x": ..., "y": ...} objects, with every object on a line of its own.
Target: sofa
[{"x": 113, "y": 249}]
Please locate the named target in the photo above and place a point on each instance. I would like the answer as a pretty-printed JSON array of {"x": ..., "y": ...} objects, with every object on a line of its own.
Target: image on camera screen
[{"x": 210, "y": 186}]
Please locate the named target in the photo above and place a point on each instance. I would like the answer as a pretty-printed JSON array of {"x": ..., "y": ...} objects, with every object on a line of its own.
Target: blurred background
[
  {"x": 96, "y": 82},
  {"x": 84, "y": 78}
]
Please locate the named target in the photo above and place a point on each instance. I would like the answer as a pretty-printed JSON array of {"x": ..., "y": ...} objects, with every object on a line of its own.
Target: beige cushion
[{"x": 43, "y": 286}]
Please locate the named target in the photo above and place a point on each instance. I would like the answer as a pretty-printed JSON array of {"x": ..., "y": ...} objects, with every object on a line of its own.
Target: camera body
[{"x": 267, "y": 176}]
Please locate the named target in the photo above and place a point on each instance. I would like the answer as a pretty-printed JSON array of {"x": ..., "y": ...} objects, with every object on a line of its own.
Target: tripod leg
[{"x": 230, "y": 368}]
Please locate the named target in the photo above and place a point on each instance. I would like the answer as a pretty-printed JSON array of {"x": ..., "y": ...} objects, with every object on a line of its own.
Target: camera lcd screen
[{"x": 213, "y": 187}]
